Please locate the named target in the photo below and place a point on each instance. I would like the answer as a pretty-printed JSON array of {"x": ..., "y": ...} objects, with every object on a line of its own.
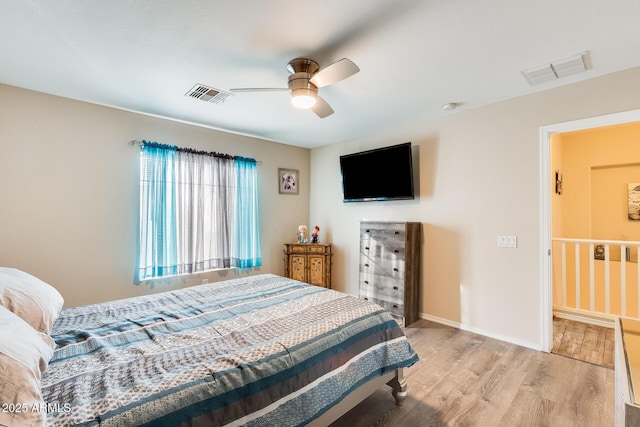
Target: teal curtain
[
  {"x": 158, "y": 251},
  {"x": 246, "y": 231},
  {"x": 198, "y": 212}
]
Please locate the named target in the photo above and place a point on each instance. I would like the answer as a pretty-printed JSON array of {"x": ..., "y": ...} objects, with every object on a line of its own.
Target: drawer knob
[
  {"x": 366, "y": 265},
  {"x": 366, "y": 282},
  {"x": 367, "y": 230},
  {"x": 366, "y": 248},
  {"x": 395, "y": 306},
  {"x": 397, "y": 232},
  {"x": 395, "y": 269},
  {"x": 396, "y": 250},
  {"x": 366, "y": 299},
  {"x": 395, "y": 288}
]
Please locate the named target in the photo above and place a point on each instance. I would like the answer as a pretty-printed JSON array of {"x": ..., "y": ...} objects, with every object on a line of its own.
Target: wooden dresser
[
  {"x": 308, "y": 262},
  {"x": 390, "y": 256}
]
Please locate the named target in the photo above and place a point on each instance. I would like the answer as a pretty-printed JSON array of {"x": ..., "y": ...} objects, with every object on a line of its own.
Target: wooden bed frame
[{"x": 393, "y": 379}]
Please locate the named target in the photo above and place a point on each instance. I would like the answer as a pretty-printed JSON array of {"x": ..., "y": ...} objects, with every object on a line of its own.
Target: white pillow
[
  {"x": 35, "y": 301},
  {"x": 24, "y": 356}
]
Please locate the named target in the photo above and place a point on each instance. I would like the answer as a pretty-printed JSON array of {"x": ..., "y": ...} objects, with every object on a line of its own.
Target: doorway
[{"x": 546, "y": 179}]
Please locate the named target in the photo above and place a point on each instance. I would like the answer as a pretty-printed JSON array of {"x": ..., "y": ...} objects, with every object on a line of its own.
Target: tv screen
[{"x": 380, "y": 174}]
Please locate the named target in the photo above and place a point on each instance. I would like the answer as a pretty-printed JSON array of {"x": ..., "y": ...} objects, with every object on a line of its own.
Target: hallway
[{"x": 582, "y": 341}]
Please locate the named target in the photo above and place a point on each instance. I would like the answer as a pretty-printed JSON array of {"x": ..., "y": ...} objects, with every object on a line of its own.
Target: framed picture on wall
[
  {"x": 634, "y": 201},
  {"x": 288, "y": 181}
]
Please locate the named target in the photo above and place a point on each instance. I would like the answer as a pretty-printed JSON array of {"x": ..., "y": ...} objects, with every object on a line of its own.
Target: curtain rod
[{"x": 191, "y": 150}]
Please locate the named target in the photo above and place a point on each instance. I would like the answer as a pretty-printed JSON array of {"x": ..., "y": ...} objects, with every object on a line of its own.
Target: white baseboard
[
  {"x": 528, "y": 344},
  {"x": 604, "y": 320}
]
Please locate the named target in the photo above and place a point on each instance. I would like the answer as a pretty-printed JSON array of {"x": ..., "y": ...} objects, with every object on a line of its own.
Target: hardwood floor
[
  {"x": 464, "y": 379},
  {"x": 593, "y": 344}
]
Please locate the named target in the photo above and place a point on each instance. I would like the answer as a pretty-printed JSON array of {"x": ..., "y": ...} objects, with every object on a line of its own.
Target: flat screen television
[{"x": 379, "y": 174}]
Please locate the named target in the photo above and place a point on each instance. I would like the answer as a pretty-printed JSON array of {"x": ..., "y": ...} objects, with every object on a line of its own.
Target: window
[{"x": 198, "y": 212}]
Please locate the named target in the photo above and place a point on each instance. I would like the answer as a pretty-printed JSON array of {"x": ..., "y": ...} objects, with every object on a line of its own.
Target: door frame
[{"x": 546, "y": 299}]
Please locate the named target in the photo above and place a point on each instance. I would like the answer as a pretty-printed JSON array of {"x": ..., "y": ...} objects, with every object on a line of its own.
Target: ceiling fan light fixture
[
  {"x": 303, "y": 92},
  {"x": 303, "y": 98}
]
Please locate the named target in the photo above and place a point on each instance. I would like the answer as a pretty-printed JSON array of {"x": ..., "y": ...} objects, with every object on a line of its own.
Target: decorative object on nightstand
[
  {"x": 390, "y": 256},
  {"x": 308, "y": 262},
  {"x": 302, "y": 233},
  {"x": 314, "y": 234}
]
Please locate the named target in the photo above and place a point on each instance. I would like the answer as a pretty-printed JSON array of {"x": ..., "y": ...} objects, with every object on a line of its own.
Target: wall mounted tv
[{"x": 379, "y": 174}]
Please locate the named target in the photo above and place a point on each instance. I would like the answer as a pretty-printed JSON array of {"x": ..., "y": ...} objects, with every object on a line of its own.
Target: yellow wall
[{"x": 597, "y": 165}]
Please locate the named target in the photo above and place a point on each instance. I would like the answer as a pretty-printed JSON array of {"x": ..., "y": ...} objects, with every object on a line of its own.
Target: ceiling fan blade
[
  {"x": 334, "y": 73},
  {"x": 322, "y": 108},
  {"x": 258, "y": 89}
]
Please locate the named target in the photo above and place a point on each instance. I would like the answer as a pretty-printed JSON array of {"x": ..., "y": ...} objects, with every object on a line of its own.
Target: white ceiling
[{"x": 414, "y": 55}]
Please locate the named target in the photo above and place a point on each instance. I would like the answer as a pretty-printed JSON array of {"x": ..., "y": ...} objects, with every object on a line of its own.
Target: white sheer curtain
[{"x": 206, "y": 187}]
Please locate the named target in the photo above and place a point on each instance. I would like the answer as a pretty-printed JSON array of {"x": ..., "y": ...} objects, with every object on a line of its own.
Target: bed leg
[{"x": 399, "y": 385}]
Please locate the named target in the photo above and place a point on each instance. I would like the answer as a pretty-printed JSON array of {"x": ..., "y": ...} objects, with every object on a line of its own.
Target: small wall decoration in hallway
[
  {"x": 558, "y": 182},
  {"x": 634, "y": 201},
  {"x": 288, "y": 181}
]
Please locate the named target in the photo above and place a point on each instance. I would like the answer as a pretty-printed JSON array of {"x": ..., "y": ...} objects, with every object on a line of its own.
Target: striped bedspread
[{"x": 257, "y": 351}]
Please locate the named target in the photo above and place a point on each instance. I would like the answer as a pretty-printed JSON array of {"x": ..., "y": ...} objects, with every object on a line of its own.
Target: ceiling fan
[{"x": 304, "y": 80}]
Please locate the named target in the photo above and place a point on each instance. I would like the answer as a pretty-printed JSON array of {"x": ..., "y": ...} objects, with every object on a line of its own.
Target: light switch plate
[{"x": 508, "y": 241}]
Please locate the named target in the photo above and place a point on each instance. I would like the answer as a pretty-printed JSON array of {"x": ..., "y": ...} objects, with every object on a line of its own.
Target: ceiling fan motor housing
[
  {"x": 299, "y": 85},
  {"x": 303, "y": 65},
  {"x": 302, "y": 70}
]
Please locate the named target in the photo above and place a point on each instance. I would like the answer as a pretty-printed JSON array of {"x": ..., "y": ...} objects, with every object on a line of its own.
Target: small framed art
[
  {"x": 633, "y": 192},
  {"x": 288, "y": 181}
]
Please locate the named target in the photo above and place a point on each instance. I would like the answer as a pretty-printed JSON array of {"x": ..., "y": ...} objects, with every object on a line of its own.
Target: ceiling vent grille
[
  {"x": 208, "y": 94},
  {"x": 558, "y": 69}
]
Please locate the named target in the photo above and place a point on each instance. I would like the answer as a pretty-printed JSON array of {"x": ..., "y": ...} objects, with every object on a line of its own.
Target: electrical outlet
[{"x": 508, "y": 241}]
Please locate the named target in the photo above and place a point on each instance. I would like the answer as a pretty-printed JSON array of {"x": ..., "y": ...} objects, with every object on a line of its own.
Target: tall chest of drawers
[{"x": 390, "y": 256}]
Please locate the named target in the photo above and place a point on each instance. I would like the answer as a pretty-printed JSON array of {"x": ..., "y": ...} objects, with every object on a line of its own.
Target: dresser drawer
[
  {"x": 383, "y": 288},
  {"x": 376, "y": 228},
  {"x": 388, "y": 267},
  {"x": 396, "y": 309},
  {"x": 376, "y": 252},
  {"x": 395, "y": 235},
  {"x": 383, "y": 239},
  {"x": 309, "y": 248}
]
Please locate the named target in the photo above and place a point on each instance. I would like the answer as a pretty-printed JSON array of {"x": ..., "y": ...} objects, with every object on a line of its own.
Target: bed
[{"x": 257, "y": 351}]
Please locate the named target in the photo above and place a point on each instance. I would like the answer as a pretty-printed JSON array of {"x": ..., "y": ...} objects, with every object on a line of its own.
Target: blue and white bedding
[{"x": 261, "y": 350}]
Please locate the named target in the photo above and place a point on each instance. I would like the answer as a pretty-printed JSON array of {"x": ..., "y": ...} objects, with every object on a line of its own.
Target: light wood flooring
[
  {"x": 464, "y": 379},
  {"x": 593, "y": 344}
]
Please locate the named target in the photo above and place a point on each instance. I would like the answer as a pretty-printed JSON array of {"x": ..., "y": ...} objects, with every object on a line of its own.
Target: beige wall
[
  {"x": 69, "y": 193},
  {"x": 479, "y": 178}
]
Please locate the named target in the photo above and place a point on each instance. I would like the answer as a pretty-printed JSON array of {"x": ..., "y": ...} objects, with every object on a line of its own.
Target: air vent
[
  {"x": 540, "y": 74},
  {"x": 566, "y": 67},
  {"x": 208, "y": 94},
  {"x": 558, "y": 69}
]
